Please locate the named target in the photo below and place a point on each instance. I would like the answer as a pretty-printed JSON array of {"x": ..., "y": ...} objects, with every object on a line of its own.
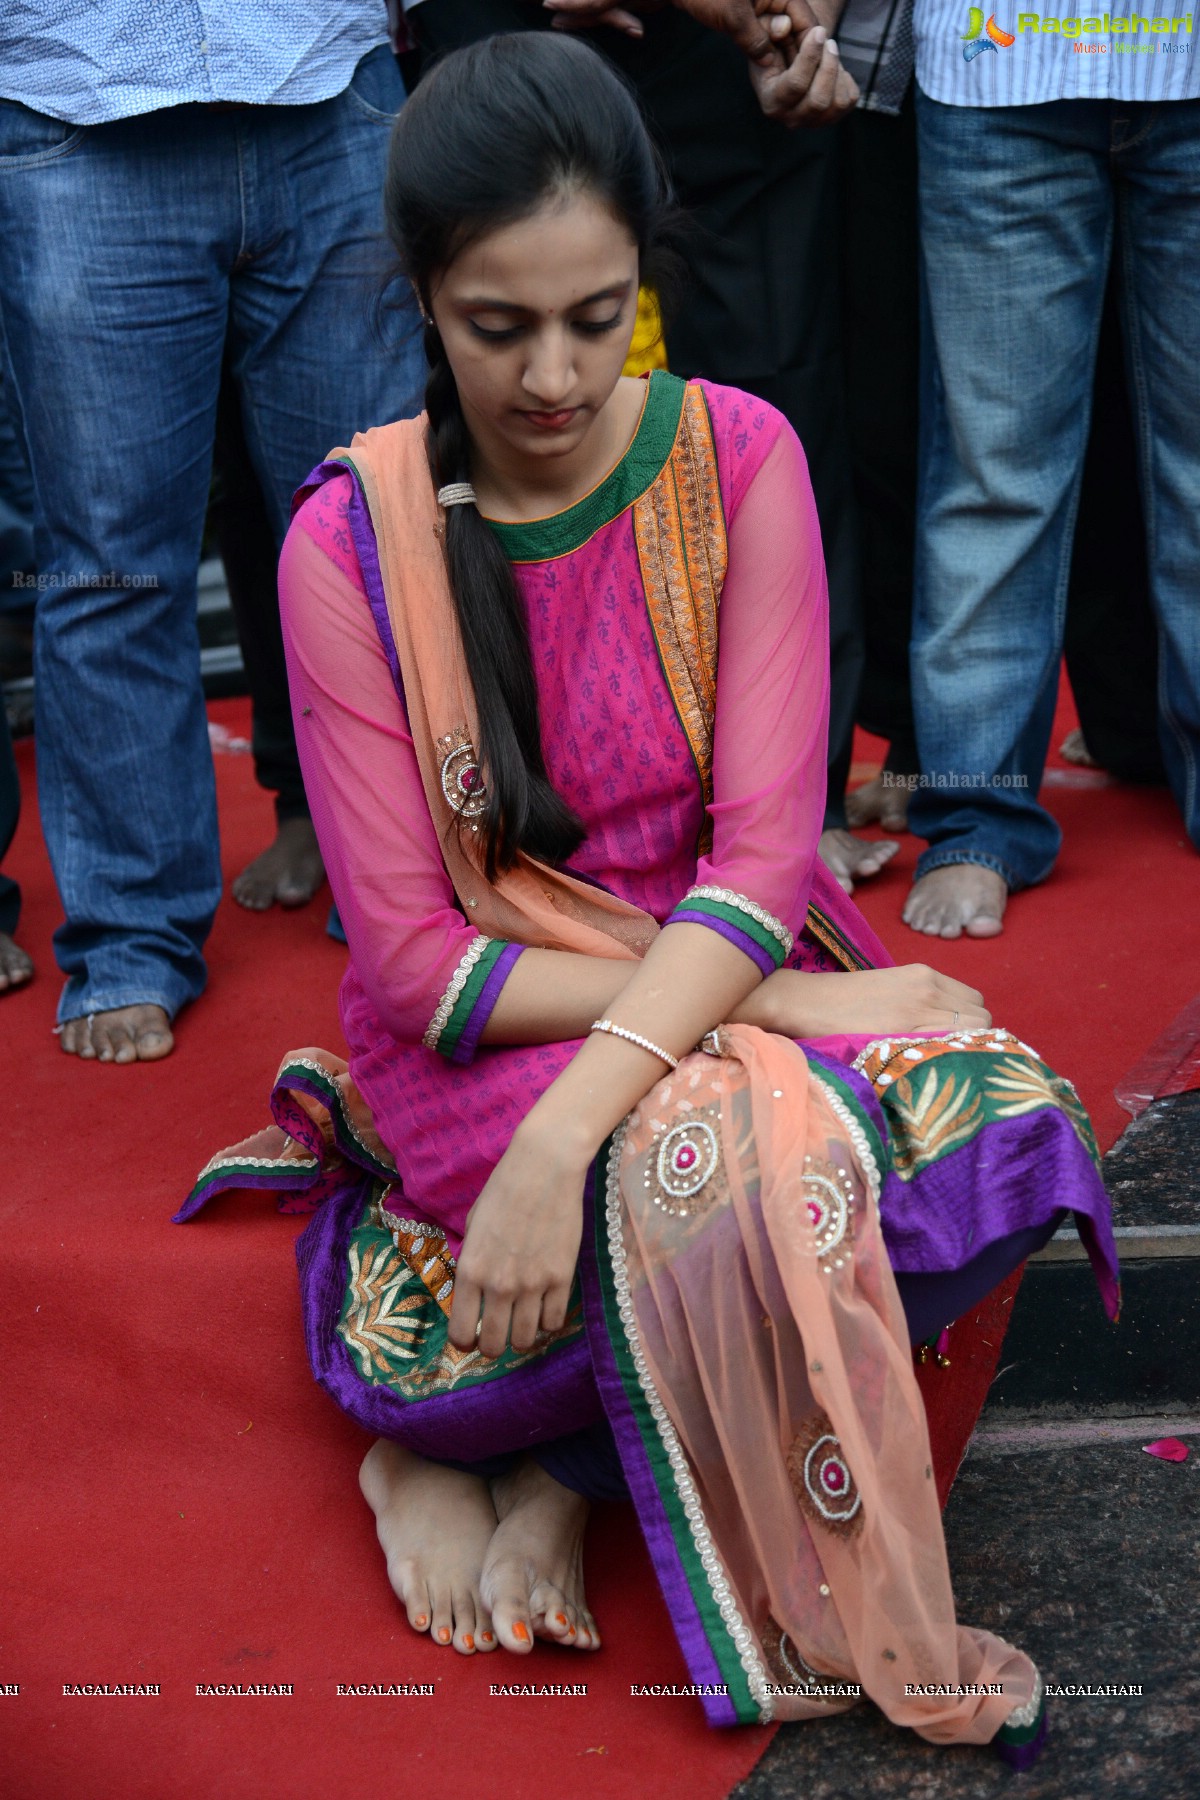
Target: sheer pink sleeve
[
  {"x": 428, "y": 975},
  {"x": 771, "y": 725}
]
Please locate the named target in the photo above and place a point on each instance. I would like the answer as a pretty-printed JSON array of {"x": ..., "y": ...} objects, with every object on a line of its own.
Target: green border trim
[
  {"x": 541, "y": 540},
  {"x": 880, "y": 1150},
  {"x": 464, "y": 1006},
  {"x": 637, "y": 1399},
  {"x": 302, "y": 1075},
  {"x": 744, "y": 921}
]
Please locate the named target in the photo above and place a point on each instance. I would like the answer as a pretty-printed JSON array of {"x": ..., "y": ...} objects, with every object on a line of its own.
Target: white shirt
[{"x": 971, "y": 56}]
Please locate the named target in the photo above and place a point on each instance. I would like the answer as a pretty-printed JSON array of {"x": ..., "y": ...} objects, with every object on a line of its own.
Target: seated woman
[{"x": 559, "y": 673}]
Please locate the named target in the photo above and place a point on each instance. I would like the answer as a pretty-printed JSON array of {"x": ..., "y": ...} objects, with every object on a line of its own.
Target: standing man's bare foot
[
  {"x": 434, "y": 1525},
  {"x": 127, "y": 1034},
  {"x": 960, "y": 897},
  {"x": 533, "y": 1570},
  {"x": 886, "y": 801},
  {"x": 850, "y": 859},
  {"x": 290, "y": 870},
  {"x": 16, "y": 968}
]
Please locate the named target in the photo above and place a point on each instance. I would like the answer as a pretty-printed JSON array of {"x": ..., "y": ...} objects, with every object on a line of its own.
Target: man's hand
[
  {"x": 736, "y": 18},
  {"x": 813, "y": 88}
]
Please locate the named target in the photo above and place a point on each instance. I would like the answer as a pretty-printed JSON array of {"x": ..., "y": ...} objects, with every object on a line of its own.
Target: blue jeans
[
  {"x": 128, "y": 252},
  {"x": 1020, "y": 208}
]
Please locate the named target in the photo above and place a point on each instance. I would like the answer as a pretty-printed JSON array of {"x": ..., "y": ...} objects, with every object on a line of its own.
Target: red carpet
[{"x": 180, "y": 1502}]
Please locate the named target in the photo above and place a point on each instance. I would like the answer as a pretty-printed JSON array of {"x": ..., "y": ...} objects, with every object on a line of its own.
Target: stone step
[{"x": 1061, "y": 1355}]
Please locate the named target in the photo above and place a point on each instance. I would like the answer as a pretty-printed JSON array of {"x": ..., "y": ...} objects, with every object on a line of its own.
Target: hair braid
[{"x": 523, "y": 812}]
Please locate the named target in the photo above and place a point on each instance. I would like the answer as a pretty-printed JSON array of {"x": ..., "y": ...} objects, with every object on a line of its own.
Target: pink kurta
[{"x": 614, "y": 748}]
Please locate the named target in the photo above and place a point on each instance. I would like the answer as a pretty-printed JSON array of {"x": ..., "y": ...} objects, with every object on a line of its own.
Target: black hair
[{"x": 491, "y": 131}]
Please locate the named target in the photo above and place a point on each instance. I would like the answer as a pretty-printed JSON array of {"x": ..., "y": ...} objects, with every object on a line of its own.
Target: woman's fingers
[
  {"x": 554, "y": 1308},
  {"x": 464, "y": 1311},
  {"x": 497, "y": 1323},
  {"x": 526, "y": 1318}
]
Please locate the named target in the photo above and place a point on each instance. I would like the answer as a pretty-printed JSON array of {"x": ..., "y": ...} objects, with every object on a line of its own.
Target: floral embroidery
[
  {"x": 821, "y": 1478},
  {"x": 939, "y": 1093},
  {"x": 461, "y": 775},
  {"x": 396, "y": 1307},
  {"x": 793, "y": 1670},
  {"x": 383, "y": 1321},
  {"x": 682, "y": 1162},
  {"x": 828, "y": 1196},
  {"x": 937, "y": 1115}
]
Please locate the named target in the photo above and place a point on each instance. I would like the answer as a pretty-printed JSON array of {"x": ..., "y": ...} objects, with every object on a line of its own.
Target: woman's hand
[
  {"x": 867, "y": 1002},
  {"x": 517, "y": 1263}
]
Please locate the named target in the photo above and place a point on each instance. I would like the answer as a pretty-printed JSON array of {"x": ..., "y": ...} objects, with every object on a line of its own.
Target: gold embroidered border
[{"x": 679, "y": 528}]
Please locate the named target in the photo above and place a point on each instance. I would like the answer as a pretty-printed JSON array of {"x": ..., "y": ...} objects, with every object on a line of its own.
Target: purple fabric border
[
  {"x": 660, "y": 1539},
  {"x": 367, "y": 550},
  {"x": 549, "y": 1398},
  {"x": 1019, "y": 1172},
  {"x": 489, "y": 993},
  {"x": 742, "y": 939}
]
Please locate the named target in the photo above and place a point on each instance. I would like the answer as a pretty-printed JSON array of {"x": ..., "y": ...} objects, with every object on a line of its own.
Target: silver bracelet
[{"x": 635, "y": 1037}]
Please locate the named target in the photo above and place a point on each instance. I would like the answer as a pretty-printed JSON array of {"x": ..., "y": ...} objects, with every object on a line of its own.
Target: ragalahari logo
[{"x": 979, "y": 37}]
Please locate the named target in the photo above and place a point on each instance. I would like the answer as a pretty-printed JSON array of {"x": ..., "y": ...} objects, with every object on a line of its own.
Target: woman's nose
[{"x": 550, "y": 372}]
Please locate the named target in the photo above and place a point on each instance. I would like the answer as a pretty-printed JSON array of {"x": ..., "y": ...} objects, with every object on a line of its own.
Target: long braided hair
[{"x": 491, "y": 132}]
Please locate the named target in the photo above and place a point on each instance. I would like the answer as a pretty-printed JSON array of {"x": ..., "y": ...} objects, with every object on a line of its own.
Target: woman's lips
[{"x": 551, "y": 421}]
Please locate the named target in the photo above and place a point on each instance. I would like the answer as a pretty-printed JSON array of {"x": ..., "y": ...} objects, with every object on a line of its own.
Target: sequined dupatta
[{"x": 753, "y": 1358}]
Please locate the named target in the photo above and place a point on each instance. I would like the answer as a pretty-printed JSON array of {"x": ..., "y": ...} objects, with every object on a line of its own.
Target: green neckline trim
[
  {"x": 541, "y": 540},
  {"x": 715, "y": 1629}
]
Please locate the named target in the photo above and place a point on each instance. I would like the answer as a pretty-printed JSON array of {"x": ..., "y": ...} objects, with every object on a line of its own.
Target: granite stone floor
[{"x": 1084, "y": 1552}]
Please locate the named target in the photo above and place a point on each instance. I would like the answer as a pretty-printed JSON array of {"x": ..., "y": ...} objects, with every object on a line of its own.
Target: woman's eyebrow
[{"x": 485, "y": 303}]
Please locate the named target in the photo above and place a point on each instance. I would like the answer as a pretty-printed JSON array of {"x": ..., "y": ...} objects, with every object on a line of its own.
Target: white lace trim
[
  {"x": 887, "y": 1047},
  {"x": 1022, "y": 1717},
  {"x": 454, "y": 988},
  {"x": 854, "y": 1131},
  {"x": 722, "y": 1592},
  {"x": 727, "y": 897}
]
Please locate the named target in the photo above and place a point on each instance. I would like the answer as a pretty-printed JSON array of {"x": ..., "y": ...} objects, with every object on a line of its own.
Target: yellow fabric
[{"x": 647, "y": 351}]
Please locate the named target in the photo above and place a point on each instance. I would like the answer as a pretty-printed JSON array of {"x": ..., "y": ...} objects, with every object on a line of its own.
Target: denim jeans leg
[
  {"x": 311, "y": 366},
  {"x": 16, "y": 495},
  {"x": 115, "y": 310},
  {"x": 1016, "y": 220},
  {"x": 1157, "y": 154},
  {"x": 10, "y": 813}
]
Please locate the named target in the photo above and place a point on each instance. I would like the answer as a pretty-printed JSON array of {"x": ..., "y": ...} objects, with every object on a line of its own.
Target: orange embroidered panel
[{"x": 679, "y": 527}]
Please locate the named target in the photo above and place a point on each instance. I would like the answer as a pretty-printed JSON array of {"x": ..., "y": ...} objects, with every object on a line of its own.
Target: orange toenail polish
[
  {"x": 560, "y": 1618},
  {"x": 443, "y": 1634},
  {"x": 521, "y": 1631},
  {"x": 422, "y": 1621},
  {"x": 488, "y": 1638},
  {"x": 469, "y": 1641}
]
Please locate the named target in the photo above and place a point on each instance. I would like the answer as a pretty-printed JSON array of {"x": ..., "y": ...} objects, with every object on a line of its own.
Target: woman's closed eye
[{"x": 507, "y": 334}]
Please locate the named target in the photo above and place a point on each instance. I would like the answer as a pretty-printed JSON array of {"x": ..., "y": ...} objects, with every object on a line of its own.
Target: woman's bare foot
[
  {"x": 127, "y": 1034},
  {"x": 850, "y": 859},
  {"x": 960, "y": 897},
  {"x": 435, "y": 1525},
  {"x": 290, "y": 870},
  {"x": 1073, "y": 749},
  {"x": 533, "y": 1570},
  {"x": 882, "y": 799},
  {"x": 16, "y": 968}
]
